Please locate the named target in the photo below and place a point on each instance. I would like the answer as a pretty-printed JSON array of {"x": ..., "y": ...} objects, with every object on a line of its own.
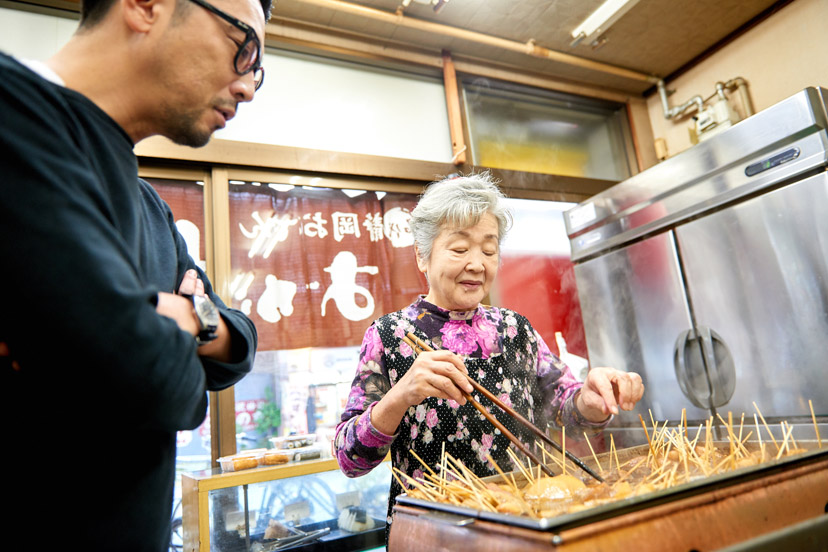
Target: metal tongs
[
  {"x": 298, "y": 538},
  {"x": 418, "y": 345}
]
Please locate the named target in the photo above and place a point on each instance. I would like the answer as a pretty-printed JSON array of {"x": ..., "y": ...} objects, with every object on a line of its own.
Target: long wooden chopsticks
[{"x": 418, "y": 344}]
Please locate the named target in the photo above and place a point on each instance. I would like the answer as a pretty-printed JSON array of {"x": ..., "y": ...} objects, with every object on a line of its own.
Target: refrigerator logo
[
  {"x": 771, "y": 162},
  {"x": 581, "y": 215},
  {"x": 589, "y": 239}
]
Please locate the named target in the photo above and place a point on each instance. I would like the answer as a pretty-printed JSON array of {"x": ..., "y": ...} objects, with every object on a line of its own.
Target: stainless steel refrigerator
[{"x": 708, "y": 273}]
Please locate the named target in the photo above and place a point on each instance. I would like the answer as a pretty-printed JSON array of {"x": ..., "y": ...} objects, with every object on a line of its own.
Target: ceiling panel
[{"x": 656, "y": 37}]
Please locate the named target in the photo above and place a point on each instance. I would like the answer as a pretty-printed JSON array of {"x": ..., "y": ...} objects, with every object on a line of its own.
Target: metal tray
[{"x": 626, "y": 505}]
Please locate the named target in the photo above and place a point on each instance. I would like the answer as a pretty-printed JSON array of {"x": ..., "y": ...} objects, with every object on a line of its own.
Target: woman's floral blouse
[{"x": 502, "y": 352}]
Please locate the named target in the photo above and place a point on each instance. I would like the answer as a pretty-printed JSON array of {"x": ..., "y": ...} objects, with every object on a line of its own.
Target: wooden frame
[
  {"x": 196, "y": 487},
  {"x": 358, "y": 170},
  {"x": 455, "y": 114}
]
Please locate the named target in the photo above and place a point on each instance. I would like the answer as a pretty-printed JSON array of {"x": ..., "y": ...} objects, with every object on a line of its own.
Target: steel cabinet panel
[
  {"x": 635, "y": 302},
  {"x": 757, "y": 274}
]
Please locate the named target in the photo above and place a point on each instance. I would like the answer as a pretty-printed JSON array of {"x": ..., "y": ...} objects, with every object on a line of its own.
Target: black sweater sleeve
[{"x": 243, "y": 336}]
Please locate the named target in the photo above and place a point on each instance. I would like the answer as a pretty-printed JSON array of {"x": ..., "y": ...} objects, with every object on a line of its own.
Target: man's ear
[{"x": 141, "y": 15}]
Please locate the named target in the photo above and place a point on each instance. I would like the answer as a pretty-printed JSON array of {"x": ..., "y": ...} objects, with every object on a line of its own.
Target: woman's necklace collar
[{"x": 451, "y": 314}]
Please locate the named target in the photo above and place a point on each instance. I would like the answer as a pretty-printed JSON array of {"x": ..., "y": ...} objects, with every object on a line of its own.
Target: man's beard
[{"x": 182, "y": 127}]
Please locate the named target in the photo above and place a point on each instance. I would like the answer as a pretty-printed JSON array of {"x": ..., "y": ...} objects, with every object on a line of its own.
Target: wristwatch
[{"x": 207, "y": 315}]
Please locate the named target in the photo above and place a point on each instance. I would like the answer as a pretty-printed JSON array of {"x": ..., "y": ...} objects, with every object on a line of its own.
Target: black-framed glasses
[{"x": 249, "y": 57}]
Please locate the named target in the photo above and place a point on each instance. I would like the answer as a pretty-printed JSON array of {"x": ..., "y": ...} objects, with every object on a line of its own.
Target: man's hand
[
  {"x": 191, "y": 284},
  {"x": 180, "y": 309}
]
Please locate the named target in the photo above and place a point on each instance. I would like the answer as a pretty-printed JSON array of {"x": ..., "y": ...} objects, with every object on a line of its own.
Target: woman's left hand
[{"x": 607, "y": 389}]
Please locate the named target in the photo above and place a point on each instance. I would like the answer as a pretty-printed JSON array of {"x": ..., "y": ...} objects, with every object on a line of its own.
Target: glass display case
[{"x": 300, "y": 506}]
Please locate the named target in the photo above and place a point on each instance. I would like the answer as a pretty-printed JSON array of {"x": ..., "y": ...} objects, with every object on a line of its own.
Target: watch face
[{"x": 206, "y": 311}]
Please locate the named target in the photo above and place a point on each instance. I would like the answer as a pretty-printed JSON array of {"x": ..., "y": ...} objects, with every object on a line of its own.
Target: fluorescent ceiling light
[{"x": 601, "y": 19}]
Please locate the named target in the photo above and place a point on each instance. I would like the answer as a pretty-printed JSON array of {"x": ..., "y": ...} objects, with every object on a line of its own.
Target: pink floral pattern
[
  {"x": 431, "y": 418},
  {"x": 459, "y": 337},
  {"x": 486, "y": 335}
]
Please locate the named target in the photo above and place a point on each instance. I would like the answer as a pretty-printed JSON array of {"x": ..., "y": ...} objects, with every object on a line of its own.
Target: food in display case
[
  {"x": 242, "y": 461},
  {"x": 293, "y": 441},
  {"x": 355, "y": 520},
  {"x": 276, "y": 530},
  {"x": 274, "y": 457},
  {"x": 254, "y": 458}
]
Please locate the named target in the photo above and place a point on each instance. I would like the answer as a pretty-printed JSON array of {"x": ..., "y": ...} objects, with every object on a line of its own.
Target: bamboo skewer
[
  {"x": 551, "y": 456},
  {"x": 594, "y": 456},
  {"x": 741, "y": 425},
  {"x": 416, "y": 343},
  {"x": 816, "y": 427},
  {"x": 443, "y": 464},
  {"x": 766, "y": 425},
  {"x": 611, "y": 450},
  {"x": 784, "y": 445},
  {"x": 793, "y": 441},
  {"x": 503, "y": 475},
  {"x": 519, "y": 465},
  {"x": 649, "y": 442}
]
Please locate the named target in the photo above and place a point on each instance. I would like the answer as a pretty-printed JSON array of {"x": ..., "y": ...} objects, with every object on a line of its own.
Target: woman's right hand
[{"x": 440, "y": 374}]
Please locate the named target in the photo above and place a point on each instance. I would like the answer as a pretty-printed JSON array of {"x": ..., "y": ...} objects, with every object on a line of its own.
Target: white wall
[
  {"x": 32, "y": 35},
  {"x": 778, "y": 57}
]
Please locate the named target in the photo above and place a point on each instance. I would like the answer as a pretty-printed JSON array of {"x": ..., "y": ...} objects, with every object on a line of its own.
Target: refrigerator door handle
[
  {"x": 704, "y": 367},
  {"x": 690, "y": 373},
  {"x": 720, "y": 367}
]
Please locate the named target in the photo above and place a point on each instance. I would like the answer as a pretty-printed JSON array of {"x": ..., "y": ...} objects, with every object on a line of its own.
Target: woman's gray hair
[{"x": 460, "y": 202}]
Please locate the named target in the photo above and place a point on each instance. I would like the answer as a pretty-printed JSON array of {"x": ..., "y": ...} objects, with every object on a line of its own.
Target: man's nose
[{"x": 244, "y": 87}]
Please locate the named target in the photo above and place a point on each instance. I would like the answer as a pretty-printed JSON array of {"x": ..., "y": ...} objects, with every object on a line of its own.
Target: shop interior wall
[{"x": 778, "y": 57}]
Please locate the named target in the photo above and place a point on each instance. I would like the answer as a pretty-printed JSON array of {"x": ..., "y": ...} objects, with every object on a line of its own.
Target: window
[
  {"x": 319, "y": 103},
  {"x": 518, "y": 128},
  {"x": 312, "y": 268}
]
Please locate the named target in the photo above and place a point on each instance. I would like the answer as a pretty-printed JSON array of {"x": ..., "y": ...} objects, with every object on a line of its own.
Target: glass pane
[
  {"x": 326, "y": 510},
  {"x": 312, "y": 267},
  {"x": 530, "y": 130},
  {"x": 319, "y": 103}
]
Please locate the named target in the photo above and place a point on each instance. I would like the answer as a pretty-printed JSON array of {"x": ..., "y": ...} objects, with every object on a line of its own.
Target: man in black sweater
[{"x": 110, "y": 336}]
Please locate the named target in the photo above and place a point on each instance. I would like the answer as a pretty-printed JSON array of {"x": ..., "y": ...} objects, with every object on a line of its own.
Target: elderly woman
[{"x": 401, "y": 401}]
